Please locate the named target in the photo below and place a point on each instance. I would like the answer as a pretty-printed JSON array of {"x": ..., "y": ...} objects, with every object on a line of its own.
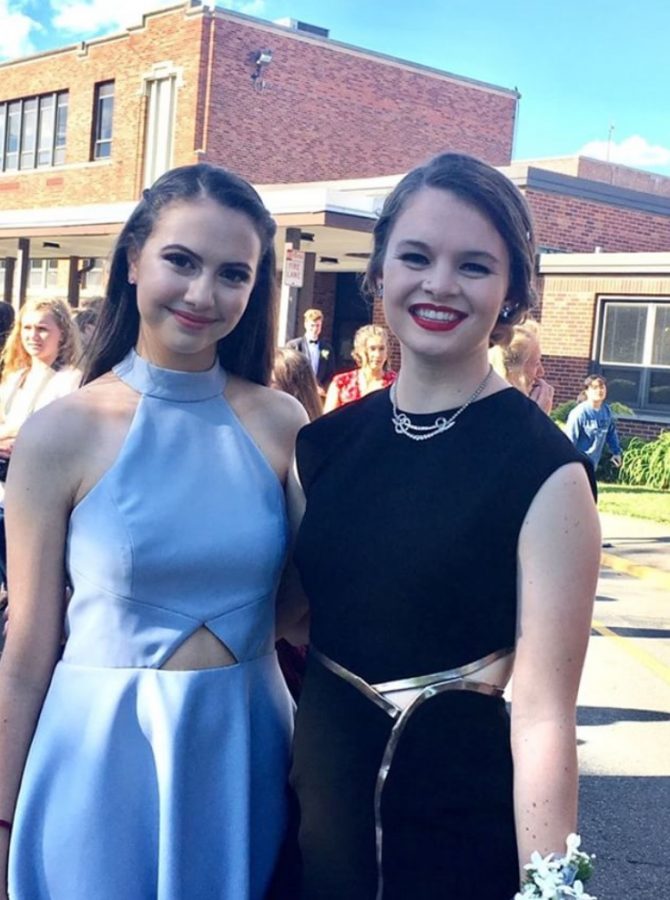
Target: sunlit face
[
  {"x": 445, "y": 276},
  {"x": 41, "y": 337},
  {"x": 194, "y": 277},
  {"x": 596, "y": 393},
  {"x": 376, "y": 354},
  {"x": 313, "y": 329}
]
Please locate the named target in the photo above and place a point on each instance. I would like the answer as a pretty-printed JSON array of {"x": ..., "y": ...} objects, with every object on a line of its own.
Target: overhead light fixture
[
  {"x": 51, "y": 245},
  {"x": 262, "y": 60},
  {"x": 306, "y": 236},
  {"x": 358, "y": 255},
  {"x": 330, "y": 260}
]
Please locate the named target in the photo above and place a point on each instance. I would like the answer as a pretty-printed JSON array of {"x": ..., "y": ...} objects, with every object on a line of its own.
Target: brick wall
[
  {"x": 126, "y": 58},
  {"x": 329, "y": 113},
  {"x": 569, "y": 308},
  {"x": 648, "y": 431},
  {"x": 574, "y": 225},
  {"x": 325, "y": 285}
]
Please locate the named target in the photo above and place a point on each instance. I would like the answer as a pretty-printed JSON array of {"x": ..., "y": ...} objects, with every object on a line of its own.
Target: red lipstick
[{"x": 436, "y": 318}]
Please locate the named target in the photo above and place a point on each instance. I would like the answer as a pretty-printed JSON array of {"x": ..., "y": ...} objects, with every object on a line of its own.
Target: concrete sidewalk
[{"x": 639, "y": 547}]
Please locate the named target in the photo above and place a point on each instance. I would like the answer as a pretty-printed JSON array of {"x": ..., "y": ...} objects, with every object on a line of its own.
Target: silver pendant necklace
[{"x": 404, "y": 425}]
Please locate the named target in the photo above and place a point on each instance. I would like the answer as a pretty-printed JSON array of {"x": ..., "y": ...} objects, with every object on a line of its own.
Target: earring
[
  {"x": 380, "y": 290},
  {"x": 131, "y": 280},
  {"x": 507, "y": 312}
]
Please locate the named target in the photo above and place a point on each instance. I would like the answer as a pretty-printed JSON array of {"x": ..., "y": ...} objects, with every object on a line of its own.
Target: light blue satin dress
[{"x": 143, "y": 783}]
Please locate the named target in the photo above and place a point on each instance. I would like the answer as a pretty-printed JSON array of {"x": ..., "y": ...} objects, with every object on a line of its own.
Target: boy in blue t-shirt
[{"x": 591, "y": 424}]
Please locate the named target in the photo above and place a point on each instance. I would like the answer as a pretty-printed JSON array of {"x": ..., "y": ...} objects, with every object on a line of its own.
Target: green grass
[{"x": 631, "y": 500}]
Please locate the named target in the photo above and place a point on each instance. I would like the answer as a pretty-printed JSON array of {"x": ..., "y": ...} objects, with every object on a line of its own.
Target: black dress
[{"x": 408, "y": 554}]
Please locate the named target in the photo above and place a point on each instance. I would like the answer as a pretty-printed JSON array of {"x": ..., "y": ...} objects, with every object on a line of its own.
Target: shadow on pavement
[{"x": 608, "y": 715}]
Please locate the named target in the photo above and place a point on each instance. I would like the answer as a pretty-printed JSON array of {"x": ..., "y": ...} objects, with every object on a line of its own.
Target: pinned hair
[{"x": 494, "y": 196}]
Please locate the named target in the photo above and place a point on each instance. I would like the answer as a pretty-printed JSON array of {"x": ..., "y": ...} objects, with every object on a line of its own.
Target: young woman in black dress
[{"x": 449, "y": 538}]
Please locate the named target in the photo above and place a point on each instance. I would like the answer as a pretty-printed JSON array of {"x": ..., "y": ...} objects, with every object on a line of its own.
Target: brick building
[
  {"x": 610, "y": 313},
  {"x": 83, "y": 129},
  {"x": 323, "y": 129}
]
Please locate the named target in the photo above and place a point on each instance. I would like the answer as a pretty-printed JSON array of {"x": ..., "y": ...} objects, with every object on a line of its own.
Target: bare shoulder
[
  {"x": 60, "y": 434},
  {"x": 279, "y": 409},
  {"x": 271, "y": 417}
]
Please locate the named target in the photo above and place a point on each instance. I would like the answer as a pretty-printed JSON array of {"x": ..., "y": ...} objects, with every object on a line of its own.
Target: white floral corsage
[
  {"x": 325, "y": 353},
  {"x": 555, "y": 877}
]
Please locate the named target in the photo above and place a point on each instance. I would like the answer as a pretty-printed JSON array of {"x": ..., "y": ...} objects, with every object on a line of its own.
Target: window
[
  {"x": 634, "y": 352},
  {"x": 103, "y": 115},
  {"x": 93, "y": 280},
  {"x": 43, "y": 274},
  {"x": 161, "y": 90},
  {"x": 33, "y": 132}
]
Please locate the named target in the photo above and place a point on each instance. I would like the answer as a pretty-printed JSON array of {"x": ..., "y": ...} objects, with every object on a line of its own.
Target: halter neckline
[{"x": 170, "y": 384}]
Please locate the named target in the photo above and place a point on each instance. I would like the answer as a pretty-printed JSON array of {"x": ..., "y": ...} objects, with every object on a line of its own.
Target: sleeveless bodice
[
  {"x": 422, "y": 571},
  {"x": 159, "y": 547}
]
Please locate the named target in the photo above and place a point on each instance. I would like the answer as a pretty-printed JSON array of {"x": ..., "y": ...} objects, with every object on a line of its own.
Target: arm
[
  {"x": 613, "y": 442},
  {"x": 573, "y": 426},
  {"x": 292, "y": 606},
  {"x": 38, "y": 503},
  {"x": 559, "y": 553}
]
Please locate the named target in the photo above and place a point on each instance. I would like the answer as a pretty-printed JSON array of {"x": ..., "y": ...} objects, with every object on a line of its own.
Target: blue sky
[{"x": 587, "y": 69}]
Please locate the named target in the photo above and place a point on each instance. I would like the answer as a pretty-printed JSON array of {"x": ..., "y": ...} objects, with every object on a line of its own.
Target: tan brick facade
[
  {"x": 569, "y": 310},
  {"x": 127, "y": 59}
]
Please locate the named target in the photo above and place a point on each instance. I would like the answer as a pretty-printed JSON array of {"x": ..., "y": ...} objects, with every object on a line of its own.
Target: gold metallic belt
[{"x": 427, "y": 686}]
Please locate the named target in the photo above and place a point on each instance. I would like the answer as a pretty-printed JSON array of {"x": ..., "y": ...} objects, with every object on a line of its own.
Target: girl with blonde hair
[
  {"x": 519, "y": 362},
  {"x": 38, "y": 364},
  {"x": 370, "y": 353}
]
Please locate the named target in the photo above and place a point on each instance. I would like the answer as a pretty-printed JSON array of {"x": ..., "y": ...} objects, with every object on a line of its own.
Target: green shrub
[
  {"x": 647, "y": 463},
  {"x": 606, "y": 470},
  {"x": 561, "y": 412}
]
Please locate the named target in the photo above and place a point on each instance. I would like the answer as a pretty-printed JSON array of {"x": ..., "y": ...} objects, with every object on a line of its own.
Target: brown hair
[
  {"x": 494, "y": 196},
  {"x": 248, "y": 350},
  {"x": 292, "y": 373},
  {"x": 14, "y": 355}
]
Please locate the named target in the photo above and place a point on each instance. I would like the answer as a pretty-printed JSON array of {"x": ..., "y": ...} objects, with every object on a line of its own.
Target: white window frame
[{"x": 646, "y": 367}]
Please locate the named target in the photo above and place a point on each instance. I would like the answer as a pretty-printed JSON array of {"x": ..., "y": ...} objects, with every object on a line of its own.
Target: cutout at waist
[
  {"x": 201, "y": 650},
  {"x": 396, "y": 697}
]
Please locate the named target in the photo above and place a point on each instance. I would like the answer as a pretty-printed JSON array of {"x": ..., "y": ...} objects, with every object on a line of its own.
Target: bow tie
[{"x": 313, "y": 342}]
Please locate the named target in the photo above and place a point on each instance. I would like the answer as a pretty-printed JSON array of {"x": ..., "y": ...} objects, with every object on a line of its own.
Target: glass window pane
[
  {"x": 3, "y": 116},
  {"x": 36, "y": 273},
  {"x": 623, "y": 338},
  {"x": 623, "y": 385},
  {"x": 52, "y": 273},
  {"x": 29, "y": 133},
  {"x": 61, "y": 129},
  {"x": 104, "y": 113},
  {"x": 659, "y": 388},
  {"x": 660, "y": 353},
  {"x": 13, "y": 134},
  {"x": 45, "y": 144}
]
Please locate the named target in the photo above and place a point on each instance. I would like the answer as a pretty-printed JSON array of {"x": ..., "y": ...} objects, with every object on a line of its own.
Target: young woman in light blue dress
[{"x": 145, "y": 757}]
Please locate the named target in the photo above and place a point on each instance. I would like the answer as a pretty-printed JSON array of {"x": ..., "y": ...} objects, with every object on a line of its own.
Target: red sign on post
[{"x": 294, "y": 267}]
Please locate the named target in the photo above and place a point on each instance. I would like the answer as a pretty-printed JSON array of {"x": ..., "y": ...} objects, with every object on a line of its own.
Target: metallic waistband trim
[{"x": 430, "y": 686}]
